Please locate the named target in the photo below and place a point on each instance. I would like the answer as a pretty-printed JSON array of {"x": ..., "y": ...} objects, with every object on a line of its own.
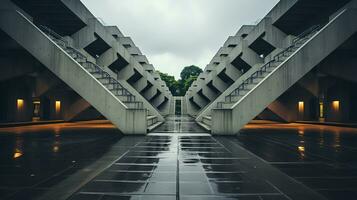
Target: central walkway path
[{"x": 180, "y": 161}]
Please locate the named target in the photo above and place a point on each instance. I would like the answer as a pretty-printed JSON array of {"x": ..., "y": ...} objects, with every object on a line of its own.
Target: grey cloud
[{"x": 183, "y": 32}]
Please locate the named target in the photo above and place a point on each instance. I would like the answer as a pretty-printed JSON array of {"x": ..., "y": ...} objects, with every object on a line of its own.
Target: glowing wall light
[
  {"x": 20, "y": 104},
  {"x": 301, "y": 106},
  {"x": 336, "y": 105},
  {"x": 58, "y": 107},
  {"x": 321, "y": 109}
]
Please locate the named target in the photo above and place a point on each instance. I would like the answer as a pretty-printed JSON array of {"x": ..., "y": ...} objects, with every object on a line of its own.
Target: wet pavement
[
  {"x": 34, "y": 158},
  {"x": 92, "y": 161},
  {"x": 180, "y": 161},
  {"x": 322, "y": 157},
  {"x": 179, "y": 124}
]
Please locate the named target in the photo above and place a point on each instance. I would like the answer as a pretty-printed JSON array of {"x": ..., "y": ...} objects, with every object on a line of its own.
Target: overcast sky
[{"x": 177, "y": 33}]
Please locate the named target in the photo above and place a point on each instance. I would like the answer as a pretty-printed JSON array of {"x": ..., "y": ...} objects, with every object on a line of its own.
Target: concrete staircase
[
  {"x": 104, "y": 77},
  {"x": 253, "y": 92},
  {"x": 153, "y": 122},
  {"x": 90, "y": 81},
  {"x": 206, "y": 122}
]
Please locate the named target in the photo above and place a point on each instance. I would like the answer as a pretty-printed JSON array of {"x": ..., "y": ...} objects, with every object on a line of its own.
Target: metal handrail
[
  {"x": 263, "y": 69},
  {"x": 78, "y": 53},
  {"x": 299, "y": 38},
  {"x": 111, "y": 79},
  {"x": 57, "y": 36},
  {"x": 105, "y": 74},
  {"x": 51, "y": 32},
  {"x": 307, "y": 32}
]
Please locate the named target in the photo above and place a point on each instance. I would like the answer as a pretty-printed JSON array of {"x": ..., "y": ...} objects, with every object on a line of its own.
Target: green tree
[
  {"x": 179, "y": 87},
  {"x": 189, "y": 71},
  {"x": 188, "y": 82},
  {"x": 171, "y": 83}
]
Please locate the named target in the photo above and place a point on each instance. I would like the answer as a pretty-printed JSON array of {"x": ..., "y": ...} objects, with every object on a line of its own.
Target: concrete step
[
  {"x": 115, "y": 86},
  {"x": 119, "y": 91},
  {"x": 154, "y": 126},
  {"x": 151, "y": 119},
  {"x": 224, "y": 105},
  {"x": 97, "y": 75},
  {"x": 234, "y": 98},
  {"x": 91, "y": 68},
  {"x": 77, "y": 58},
  {"x": 241, "y": 92},
  {"x": 126, "y": 98},
  {"x": 270, "y": 69},
  {"x": 106, "y": 80},
  {"x": 204, "y": 126},
  {"x": 134, "y": 104},
  {"x": 207, "y": 120},
  {"x": 257, "y": 80}
]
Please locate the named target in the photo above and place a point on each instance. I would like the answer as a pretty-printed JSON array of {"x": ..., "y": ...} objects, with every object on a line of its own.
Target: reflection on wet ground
[
  {"x": 179, "y": 124},
  {"x": 322, "y": 157},
  {"x": 187, "y": 165},
  {"x": 171, "y": 167},
  {"x": 92, "y": 161},
  {"x": 34, "y": 158}
]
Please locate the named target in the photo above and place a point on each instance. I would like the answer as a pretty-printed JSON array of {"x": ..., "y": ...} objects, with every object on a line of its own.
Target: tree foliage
[
  {"x": 188, "y": 82},
  {"x": 179, "y": 87},
  {"x": 170, "y": 81},
  {"x": 189, "y": 71}
]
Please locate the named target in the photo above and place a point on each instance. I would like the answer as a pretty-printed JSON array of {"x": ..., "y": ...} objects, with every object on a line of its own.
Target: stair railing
[
  {"x": 116, "y": 85},
  {"x": 277, "y": 58},
  {"x": 52, "y": 33}
]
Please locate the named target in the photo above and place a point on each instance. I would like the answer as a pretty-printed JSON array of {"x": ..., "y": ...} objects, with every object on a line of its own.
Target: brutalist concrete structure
[
  {"x": 296, "y": 64},
  {"x": 60, "y": 62}
]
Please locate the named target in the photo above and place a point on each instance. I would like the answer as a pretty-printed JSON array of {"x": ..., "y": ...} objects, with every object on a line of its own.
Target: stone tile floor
[
  {"x": 177, "y": 161},
  {"x": 322, "y": 157},
  {"x": 180, "y": 161},
  {"x": 35, "y": 158},
  {"x": 184, "y": 166}
]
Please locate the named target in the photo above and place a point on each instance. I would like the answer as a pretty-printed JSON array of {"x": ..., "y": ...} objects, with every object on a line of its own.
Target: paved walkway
[
  {"x": 91, "y": 160},
  {"x": 321, "y": 157},
  {"x": 180, "y": 161}
]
